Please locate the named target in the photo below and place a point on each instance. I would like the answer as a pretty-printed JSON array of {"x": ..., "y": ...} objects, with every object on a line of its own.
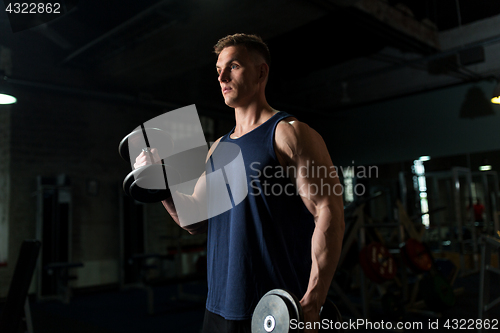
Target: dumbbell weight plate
[
  {"x": 331, "y": 313},
  {"x": 416, "y": 256},
  {"x": 148, "y": 184},
  {"x": 274, "y": 312},
  {"x": 133, "y": 176},
  {"x": 147, "y": 195},
  {"x": 377, "y": 263},
  {"x": 135, "y": 142},
  {"x": 367, "y": 268},
  {"x": 271, "y": 315}
]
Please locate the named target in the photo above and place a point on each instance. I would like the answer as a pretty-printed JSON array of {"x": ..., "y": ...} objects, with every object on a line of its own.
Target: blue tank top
[{"x": 264, "y": 241}]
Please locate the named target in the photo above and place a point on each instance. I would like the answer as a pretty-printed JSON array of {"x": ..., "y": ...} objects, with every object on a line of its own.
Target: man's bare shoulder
[
  {"x": 292, "y": 136},
  {"x": 293, "y": 130}
]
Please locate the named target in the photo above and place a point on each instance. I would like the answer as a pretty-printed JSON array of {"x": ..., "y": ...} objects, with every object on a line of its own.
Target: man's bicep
[
  {"x": 200, "y": 188},
  {"x": 316, "y": 177}
]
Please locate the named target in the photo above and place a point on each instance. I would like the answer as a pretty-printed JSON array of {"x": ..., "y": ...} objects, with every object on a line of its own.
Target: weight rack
[
  {"x": 488, "y": 245},
  {"x": 404, "y": 226},
  {"x": 456, "y": 180}
]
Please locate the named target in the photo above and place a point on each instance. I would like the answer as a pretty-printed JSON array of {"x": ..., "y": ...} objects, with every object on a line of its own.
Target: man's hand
[
  {"x": 146, "y": 158},
  {"x": 310, "y": 307}
]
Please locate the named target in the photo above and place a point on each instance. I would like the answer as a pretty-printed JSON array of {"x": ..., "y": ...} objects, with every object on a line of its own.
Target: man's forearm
[
  {"x": 326, "y": 245},
  {"x": 195, "y": 228},
  {"x": 170, "y": 207}
]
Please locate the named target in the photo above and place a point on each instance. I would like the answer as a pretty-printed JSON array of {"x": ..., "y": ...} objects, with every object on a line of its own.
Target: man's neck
[{"x": 251, "y": 116}]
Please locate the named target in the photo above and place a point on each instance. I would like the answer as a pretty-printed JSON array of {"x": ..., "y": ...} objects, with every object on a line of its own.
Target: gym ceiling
[{"x": 326, "y": 55}]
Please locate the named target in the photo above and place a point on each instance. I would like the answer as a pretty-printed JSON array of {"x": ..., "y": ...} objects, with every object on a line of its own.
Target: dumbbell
[
  {"x": 143, "y": 184},
  {"x": 148, "y": 183},
  {"x": 279, "y": 311},
  {"x": 137, "y": 141}
]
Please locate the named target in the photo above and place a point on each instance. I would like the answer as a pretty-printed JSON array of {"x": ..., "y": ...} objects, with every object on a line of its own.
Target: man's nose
[{"x": 224, "y": 76}]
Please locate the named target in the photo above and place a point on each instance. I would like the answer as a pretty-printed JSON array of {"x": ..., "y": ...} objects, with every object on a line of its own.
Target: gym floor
[
  {"x": 126, "y": 311},
  {"x": 122, "y": 312}
]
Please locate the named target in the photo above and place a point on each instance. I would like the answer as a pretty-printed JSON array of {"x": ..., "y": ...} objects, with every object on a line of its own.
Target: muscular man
[{"x": 287, "y": 233}]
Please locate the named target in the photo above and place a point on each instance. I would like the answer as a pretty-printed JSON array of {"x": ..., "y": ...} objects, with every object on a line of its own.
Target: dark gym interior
[{"x": 400, "y": 90}]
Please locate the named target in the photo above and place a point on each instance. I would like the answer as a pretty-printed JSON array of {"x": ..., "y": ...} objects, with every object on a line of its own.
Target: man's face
[{"x": 238, "y": 76}]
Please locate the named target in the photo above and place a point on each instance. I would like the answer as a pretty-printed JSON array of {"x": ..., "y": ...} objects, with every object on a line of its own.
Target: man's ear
[{"x": 263, "y": 71}]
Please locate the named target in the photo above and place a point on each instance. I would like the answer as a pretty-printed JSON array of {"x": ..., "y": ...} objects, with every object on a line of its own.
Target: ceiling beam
[
  {"x": 142, "y": 15},
  {"x": 399, "y": 21}
]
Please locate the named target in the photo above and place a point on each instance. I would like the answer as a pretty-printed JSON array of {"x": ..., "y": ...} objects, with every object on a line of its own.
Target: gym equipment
[
  {"x": 277, "y": 308},
  {"x": 383, "y": 284},
  {"x": 489, "y": 182},
  {"x": 12, "y": 314},
  {"x": 416, "y": 256},
  {"x": 447, "y": 269},
  {"x": 438, "y": 293},
  {"x": 60, "y": 271},
  {"x": 149, "y": 183},
  {"x": 433, "y": 280},
  {"x": 135, "y": 142},
  {"x": 488, "y": 275},
  {"x": 377, "y": 262},
  {"x": 274, "y": 312},
  {"x": 393, "y": 305},
  {"x": 359, "y": 227},
  {"x": 452, "y": 187},
  {"x": 361, "y": 200},
  {"x": 54, "y": 228},
  {"x": 142, "y": 183},
  {"x": 133, "y": 237}
]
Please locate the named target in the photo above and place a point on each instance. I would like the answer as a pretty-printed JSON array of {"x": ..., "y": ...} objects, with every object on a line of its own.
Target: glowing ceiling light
[
  {"x": 496, "y": 95},
  {"x": 424, "y": 158},
  {"x": 485, "y": 167},
  {"x": 7, "y": 99}
]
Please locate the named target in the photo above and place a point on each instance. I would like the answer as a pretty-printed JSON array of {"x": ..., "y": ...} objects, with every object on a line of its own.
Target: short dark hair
[{"x": 251, "y": 43}]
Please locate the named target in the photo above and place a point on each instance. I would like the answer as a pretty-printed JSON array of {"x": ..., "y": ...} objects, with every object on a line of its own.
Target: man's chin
[{"x": 230, "y": 102}]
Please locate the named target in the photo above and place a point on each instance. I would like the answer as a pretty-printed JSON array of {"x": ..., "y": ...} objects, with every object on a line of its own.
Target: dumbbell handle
[
  {"x": 146, "y": 137},
  {"x": 147, "y": 151}
]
